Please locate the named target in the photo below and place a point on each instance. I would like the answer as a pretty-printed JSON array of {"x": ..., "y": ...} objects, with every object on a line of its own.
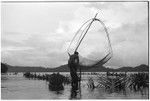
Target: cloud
[
  {"x": 39, "y": 34},
  {"x": 128, "y": 31},
  {"x": 130, "y": 44},
  {"x": 115, "y": 14}
]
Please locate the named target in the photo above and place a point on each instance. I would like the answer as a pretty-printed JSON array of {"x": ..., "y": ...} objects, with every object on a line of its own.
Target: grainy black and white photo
[{"x": 74, "y": 50}]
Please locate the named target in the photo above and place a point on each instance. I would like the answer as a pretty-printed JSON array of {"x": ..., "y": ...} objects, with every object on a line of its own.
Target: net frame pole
[
  {"x": 85, "y": 32},
  {"x": 80, "y": 83},
  {"x": 77, "y": 33},
  {"x": 79, "y": 45}
]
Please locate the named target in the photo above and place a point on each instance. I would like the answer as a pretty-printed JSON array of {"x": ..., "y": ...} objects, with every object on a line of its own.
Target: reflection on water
[
  {"x": 73, "y": 94},
  {"x": 18, "y": 87},
  {"x": 59, "y": 92}
]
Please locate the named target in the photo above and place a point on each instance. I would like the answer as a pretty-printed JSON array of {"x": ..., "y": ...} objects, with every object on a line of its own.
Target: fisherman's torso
[{"x": 73, "y": 61}]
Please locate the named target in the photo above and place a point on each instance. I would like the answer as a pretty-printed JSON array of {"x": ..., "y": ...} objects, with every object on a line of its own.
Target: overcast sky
[{"x": 38, "y": 34}]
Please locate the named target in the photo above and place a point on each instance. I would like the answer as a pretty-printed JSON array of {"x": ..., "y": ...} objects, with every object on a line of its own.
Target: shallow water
[{"x": 18, "y": 87}]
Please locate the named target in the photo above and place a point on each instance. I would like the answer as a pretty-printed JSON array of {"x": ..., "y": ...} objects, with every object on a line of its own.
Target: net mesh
[{"x": 92, "y": 43}]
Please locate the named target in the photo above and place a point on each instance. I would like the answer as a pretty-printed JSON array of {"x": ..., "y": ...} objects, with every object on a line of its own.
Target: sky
[{"x": 38, "y": 34}]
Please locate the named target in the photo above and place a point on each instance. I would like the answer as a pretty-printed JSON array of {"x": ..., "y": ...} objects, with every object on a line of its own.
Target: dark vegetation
[
  {"x": 4, "y": 68},
  {"x": 137, "y": 82},
  {"x": 56, "y": 81},
  {"x": 64, "y": 68}
]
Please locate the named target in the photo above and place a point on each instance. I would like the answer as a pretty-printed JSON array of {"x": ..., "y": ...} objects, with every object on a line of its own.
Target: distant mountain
[
  {"x": 142, "y": 67},
  {"x": 64, "y": 68},
  {"x": 24, "y": 68}
]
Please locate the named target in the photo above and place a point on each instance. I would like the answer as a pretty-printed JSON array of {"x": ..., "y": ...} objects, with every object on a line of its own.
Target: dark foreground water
[{"x": 18, "y": 87}]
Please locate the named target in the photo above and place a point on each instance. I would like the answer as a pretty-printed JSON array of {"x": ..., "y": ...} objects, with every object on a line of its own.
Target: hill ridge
[{"x": 64, "y": 68}]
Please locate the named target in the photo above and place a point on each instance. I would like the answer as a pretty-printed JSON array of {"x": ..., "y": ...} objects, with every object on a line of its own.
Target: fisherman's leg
[
  {"x": 76, "y": 81},
  {"x": 73, "y": 79},
  {"x": 72, "y": 82}
]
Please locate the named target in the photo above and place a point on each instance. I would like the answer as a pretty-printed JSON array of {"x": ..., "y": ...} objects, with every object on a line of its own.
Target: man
[{"x": 73, "y": 65}]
